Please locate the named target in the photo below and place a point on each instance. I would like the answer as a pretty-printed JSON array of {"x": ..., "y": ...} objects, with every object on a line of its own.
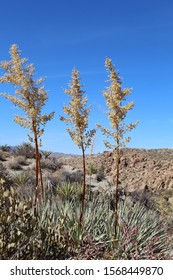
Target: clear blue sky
[{"x": 59, "y": 35}]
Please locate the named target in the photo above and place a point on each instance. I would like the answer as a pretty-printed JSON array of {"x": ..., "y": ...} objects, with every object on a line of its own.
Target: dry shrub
[
  {"x": 23, "y": 235},
  {"x": 5, "y": 148},
  {"x": 21, "y": 160},
  {"x": 51, "y": 163},
  {"x": 72, "y": 177},
  {"x": 26, "y": 150},
  {"x": 14, "y": 164},
  {"x": 3, "y": 155}
]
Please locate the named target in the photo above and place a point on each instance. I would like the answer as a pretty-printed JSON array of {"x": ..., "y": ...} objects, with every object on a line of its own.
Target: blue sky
[{"x": 59, "y": 35}]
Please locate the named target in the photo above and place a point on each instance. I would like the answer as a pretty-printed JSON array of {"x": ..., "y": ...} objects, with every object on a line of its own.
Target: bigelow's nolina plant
[
  {"x": 77, "y": 117},
  {"x": 115, "y": 95},
  {"x": 30, "y": 97}
]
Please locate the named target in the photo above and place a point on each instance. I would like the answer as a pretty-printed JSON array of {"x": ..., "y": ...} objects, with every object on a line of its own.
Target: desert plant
[
  {"x": 51, "y": 164},
  {"x": 25, "y": 149},
  {"x": 2, "y": 156},
  {"x": 21, "y": 160},
  {"x": 14, "y": 164},
  {"x": 89, "y": 250},
  {"x": 5, "y": 148},
  {"x": 5, "y": 176},
  {"x": 46, "y": 154},
  {"x": 23, "y": 236},
  {"x": 100, "y": 174},
  {"x": 94, "y": 221},
  {"x": 30, "y": 97},
  {"x": 77, "y": 116},
  {"x": 93, "y": 169},
  {"x": 55, "y": 232},
  {"x": 72, "y": 177},
  {"x": 115, "y": 96},
  {"x": 3, "y": 171},
  {"x": 69, "y": 191},
  {"x": 142, "y": 234},
  {"x": 21, "y": 179}
]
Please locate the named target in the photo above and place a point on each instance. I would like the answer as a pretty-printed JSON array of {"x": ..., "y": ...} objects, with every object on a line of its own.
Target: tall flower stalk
[
  {"x": 30, "y": 96},
  {"x": 77, "y": 117},
  {"x": 115, "y": 96}
]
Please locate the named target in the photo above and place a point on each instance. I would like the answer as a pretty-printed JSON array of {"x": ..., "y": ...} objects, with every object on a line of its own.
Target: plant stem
[
  {"x": 116, "y": 189},
  {"x": 41, "y": 177},
  {"x": 36, "y": 165},
  {"x": 83, "y": 187}
]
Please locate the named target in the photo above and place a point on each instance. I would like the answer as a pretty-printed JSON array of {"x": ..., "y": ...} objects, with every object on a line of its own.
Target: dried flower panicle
[
  {"x": 30, "y": 97},
  {"x": 30, "y": 94},
  {"x": 115, "y": 96},
  {"x": 77, "y": 117},
  {"x": 77, "y": 113}
]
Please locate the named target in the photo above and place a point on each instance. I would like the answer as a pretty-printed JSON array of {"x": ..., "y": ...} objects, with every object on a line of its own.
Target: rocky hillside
[
  {"x": 144, "y": 174},
  {"x": 139, "y": 168}
]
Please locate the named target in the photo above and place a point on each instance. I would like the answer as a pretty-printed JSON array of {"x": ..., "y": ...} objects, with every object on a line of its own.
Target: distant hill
[{"x": 56, "y": 154}]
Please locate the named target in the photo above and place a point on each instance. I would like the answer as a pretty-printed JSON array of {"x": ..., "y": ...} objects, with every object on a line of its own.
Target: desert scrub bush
[
  {"x": 14, "y": 164},
  {"x": 23, "y": 236},
  {"x": 52, "y": 164},
  {"x": 100, "y": 175},
  {"x": 26, "y": 150},
  {"x": 21, "y": 160},
  {"x": 3, "y": 171},
  {"x": 72, "y": 177},
  {"x": 5, "y": 176},
  {"x": 145, "y": 197},
  {"x": 162, "y": 205},
  {"x": 12, "y": 220},
  {"x": 5, "y": 148},
  {"x": 55, "y": 178},
  {"x": 2, "y": 156},
  {"x": 4, "y": 152}
]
